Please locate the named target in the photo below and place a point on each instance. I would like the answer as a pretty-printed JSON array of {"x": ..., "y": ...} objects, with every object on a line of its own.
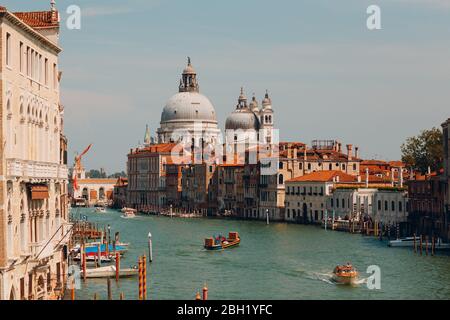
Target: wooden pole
[
  {"x": 197, "y": 296},
  {"x": 95, "y": 296},
  {"x": 83, "y": 258},
  {"x": 415, "y": 244},
  {"x": 108, "y": 282},
  {"x": 144, "y": 276},
  {"x": 205, "y": 293},
  {"x": 140, "y": 279},
  {"x": 72, "y": 290},
  {"x": 420, "y": 244},
  {"x": 99, "y": 247},
  {"x": 122, "y": 296},
  {"x": 117, "y": 266},
  {"x": 426, "y": 245},
  {"x": 432, "y": 245}
]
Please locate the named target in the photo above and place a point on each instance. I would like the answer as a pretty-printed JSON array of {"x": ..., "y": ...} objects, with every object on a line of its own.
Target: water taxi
[
  {"x": 220, "y": 242},
  {"x": 128, "y": 213},
  {"x": 345, "y": 274},
  {"x": 100, "y": 210}
]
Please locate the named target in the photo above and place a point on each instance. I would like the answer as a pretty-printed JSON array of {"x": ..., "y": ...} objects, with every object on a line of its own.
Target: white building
[
  {"x": 188, "y": 114},
  {"x": 384, "y": 205},
  {"x": 33, "y": 185},
  {"x": 307, "y": 196}
]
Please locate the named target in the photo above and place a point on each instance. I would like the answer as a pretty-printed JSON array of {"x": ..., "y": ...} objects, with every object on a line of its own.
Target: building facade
[
  {"x": 307, "y": 196},
  {"x": 34, "y": 229},
  {"x": 147, "y": 176}
]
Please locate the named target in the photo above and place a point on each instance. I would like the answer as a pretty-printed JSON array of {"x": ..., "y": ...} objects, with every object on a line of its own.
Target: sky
[{"x": 329, "y": 77}]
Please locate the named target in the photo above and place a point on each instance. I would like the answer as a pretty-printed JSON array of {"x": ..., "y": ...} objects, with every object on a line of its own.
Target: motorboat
[
  {"x": 220, "y": 242},
  {"x": 345, "y": 274}
]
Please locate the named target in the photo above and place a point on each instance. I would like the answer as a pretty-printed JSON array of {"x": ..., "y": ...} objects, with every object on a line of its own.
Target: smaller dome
[
  {"x": 242, "y": 120},
  {"x": 254, "y": 105},
  {"x": 267, "y": 102}
]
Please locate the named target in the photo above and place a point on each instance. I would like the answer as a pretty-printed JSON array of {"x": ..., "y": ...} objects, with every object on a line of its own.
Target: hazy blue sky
[{"x": 328, "y": 76}]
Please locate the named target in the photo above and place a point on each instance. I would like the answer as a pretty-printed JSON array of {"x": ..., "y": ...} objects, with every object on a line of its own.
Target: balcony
[{"x": 35, "y": 169}]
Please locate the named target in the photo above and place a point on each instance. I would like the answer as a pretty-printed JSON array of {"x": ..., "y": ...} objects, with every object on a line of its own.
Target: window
[
  {"x": 21, "y": 57},
  {"x": 332, "y": 202},
  {"x": 280, "y": 179},
  {"x": 354, "y": 167},
  {"x": 309, "y": 166},
  {"x": 400, "y": 206},
  {"x": 300, "y": 166},
  {"x": 8, "y": 49},
  {"x": 46, "y": 71},
  {"x": 343, "y": 203},
  {"x": 379, "y": 205},
  {"x": 28, "y": 62},
  {"x": 393, "y": 206},
  {"x": 280, "y": 165},
  {"x": 55, "y": 77},
  {"x": 386, "y": 206}
]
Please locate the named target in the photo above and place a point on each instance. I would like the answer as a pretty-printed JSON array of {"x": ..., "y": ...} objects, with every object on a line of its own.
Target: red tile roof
[
  {"x": 325, "y": 176},
  {"x": 39, "y": 19}
]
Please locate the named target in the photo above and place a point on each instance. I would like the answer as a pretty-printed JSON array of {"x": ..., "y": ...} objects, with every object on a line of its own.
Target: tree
[
  {"x": 96, "y": 174},
  {"x": 424, "y": 151},
  {"x": 118, "y": 175}
]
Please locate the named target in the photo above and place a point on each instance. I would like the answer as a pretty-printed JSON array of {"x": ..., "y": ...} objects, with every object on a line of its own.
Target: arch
[
  {"x": 101, "y": 193},
  {"x": 85, "y": 193},
  {"x": 280, "y": 179},
  {"x": 8, "y": 106},
  {"x": 305, "y": 212},
  {"x": 21, "y": 109},
  {"x": 12, "y": 294}
]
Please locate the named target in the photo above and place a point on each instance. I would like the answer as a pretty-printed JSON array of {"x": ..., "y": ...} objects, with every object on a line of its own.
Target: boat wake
[{"x": 328, "y": 278}]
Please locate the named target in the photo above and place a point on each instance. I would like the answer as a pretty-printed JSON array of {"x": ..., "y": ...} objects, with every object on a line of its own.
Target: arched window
[
  {"x": 280, "y": 179},
  {"x": 101, "y": 193}
]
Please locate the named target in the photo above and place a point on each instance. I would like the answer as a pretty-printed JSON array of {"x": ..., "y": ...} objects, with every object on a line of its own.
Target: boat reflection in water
[{"x": 220, "y": 242}]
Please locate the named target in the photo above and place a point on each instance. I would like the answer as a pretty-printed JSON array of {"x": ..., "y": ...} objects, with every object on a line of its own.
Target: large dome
[
  {"x": 188, "y": 106},
  {"x": 243, "y": 120}
]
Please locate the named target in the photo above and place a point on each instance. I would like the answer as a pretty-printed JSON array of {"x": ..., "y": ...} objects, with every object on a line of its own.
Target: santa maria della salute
[{"x": 191, "y": 114}]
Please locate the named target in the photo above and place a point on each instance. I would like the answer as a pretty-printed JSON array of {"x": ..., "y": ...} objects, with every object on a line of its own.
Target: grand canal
[{"x": 276, "y": 261}]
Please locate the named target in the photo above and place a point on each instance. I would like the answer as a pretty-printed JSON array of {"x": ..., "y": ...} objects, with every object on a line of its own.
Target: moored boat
[
  {"x": 100, "y": 210},
  {"x": 220, "y": 242},
  {"x": 109, "y": 272},
  {"x": 345, "y": 274}
]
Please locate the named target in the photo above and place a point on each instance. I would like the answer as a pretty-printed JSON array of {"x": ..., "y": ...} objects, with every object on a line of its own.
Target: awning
[{"x": 39, "y": 192}]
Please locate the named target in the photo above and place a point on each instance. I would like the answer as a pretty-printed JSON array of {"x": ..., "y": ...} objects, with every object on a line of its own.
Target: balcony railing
[{"x": 35, "y": 169}]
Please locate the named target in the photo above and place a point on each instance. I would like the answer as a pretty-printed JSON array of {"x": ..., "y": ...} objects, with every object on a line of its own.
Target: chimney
[
  {"x": 304, "y": 153},
  {"x": 392, "y": 176},
  {"x": 356, "y": 152},
  {"x": 367, "y": 177},
  {"x": 349, "y": 152},
  {"x": 401, "y": 177}
]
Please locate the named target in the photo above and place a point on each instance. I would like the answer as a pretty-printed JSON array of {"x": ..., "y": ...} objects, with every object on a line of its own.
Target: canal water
[{"x": 276, "y": 261}]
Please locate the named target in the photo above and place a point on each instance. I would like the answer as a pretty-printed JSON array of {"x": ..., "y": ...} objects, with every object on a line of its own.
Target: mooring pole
[
  {"x": 150, "y": 247},
  {"x": 267, "y": 216}
]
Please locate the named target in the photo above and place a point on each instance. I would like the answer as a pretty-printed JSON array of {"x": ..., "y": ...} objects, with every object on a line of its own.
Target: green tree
[
  {"x": 96, "y": 174},
  {"x": 424, "y": 151},
  {"x": 117, "y": 175}
]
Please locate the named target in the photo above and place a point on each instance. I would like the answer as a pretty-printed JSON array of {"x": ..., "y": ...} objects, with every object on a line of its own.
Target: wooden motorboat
[
  {"x": 128, "y": 213},
  {"x": 100, "y": 210},
  {"x": 345, "y": 274},
  {"x": 220, "y": 242}
]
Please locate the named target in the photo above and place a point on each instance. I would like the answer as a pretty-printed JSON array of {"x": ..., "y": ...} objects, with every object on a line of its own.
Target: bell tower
[{"x": 188, "y": 82}]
